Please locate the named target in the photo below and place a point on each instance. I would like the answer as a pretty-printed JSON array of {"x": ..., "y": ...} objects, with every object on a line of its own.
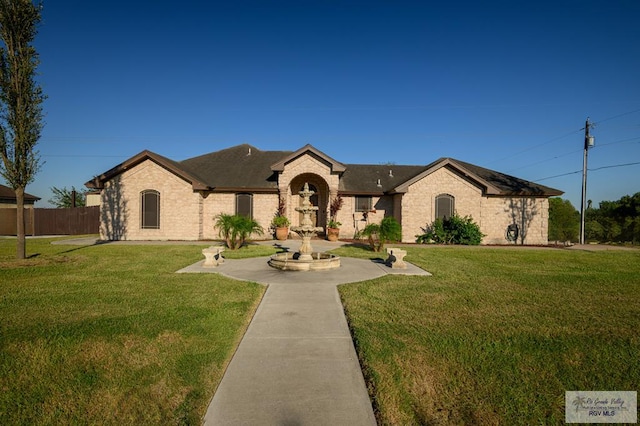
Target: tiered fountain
[{"x": 305, "y": 259}]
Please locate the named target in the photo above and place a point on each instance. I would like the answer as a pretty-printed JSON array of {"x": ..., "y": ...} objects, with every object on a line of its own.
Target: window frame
[
  {"x": 145, "y": 214},
  {"x": 358, "y": 203},
  {"x": 451, "y": 207},
  {"x": 238, "y": 200}
]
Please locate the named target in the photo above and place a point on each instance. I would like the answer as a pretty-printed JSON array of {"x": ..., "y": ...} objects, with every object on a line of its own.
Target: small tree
[
  {"x": 236, "y": 229},
  {"x": 564, "y": 220},
  {"x": 389, "y": 230},
  {"x": 63, "y": 198},
  {"x": 20, "y": 102}
]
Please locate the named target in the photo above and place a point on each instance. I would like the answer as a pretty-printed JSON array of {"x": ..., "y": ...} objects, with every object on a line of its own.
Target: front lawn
[
  {"x": 111, "y": 335},
  {"x": 496, "y": 336}
]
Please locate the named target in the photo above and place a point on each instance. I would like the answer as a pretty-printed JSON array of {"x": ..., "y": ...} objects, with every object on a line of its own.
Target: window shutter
[
  {"x": 244, "y": 205},
  {"x": 445, "y": 206},
  {"x": 150, "y": 209}
]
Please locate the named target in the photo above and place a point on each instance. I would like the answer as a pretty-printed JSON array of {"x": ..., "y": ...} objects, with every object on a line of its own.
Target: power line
[
  {"x": 591, "y": 170},
  {"x": 617, "y": 142},
  {"x": 637, "y": 138},
  {"x": 543, "y": 161},
  {"x": 536, "y": 146},
  {"x": 562, "y": 136},
  {"x": 615, "y": 165},
  {"x": 617, "y": 116},
  {"x": 556, "y": 176}
]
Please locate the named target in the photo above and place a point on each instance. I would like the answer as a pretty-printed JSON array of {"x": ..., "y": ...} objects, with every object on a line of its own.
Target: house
[
  {"x": 8, "y": 198},
  {"x": 151, "y": 197}
]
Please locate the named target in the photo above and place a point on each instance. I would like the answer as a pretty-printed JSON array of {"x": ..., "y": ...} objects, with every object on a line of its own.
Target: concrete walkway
[{"x": 296, "y": 364}]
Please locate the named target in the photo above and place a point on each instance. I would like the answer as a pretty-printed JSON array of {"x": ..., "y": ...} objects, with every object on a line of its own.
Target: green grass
[
  {"x": 495, "y": 336},
  {"x": 111, "y": 335}
]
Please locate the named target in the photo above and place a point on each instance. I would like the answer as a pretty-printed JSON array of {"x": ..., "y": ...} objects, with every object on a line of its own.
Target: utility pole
[{"x": 589, "y": 142}]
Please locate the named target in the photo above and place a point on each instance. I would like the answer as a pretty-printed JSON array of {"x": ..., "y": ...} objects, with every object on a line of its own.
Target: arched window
[
  {"x": 244, "y": 205},
  {"x": 150, "y": 202},
  {"x": 445, "y": 206}
]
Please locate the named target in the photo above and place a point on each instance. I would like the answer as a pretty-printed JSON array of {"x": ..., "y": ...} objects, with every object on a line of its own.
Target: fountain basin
[{"x": 291, "y": 261}]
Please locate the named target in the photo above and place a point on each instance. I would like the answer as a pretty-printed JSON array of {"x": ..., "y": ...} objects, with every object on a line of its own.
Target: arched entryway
[{"x": 319, "y": 199}]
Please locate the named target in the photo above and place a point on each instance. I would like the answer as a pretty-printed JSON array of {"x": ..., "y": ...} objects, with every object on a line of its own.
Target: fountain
[{"x": 305, "y": 259}]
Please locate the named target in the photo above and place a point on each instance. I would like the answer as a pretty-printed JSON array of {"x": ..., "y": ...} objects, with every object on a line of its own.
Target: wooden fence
[{"x": 75, "y": 221}]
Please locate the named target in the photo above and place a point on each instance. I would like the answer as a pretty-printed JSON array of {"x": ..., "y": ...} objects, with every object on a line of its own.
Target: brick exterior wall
[
  {"x": 316, "y": 172},
  {"x": 189, "y": 215},
  {"x": 264, "y": 207},
  {"x": 530, "y": 214},
  {"x": 418, "y": 203},
  {"x": 213, "y": 205},
  {"x": 121, "y": 205},
  {"x": 354, "y": 222},
  {"x": 492, "y": 214},
  {"x": 184, "y": 214}
]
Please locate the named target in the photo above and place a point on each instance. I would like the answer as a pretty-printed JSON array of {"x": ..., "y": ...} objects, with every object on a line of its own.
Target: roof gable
[
  {"x": 491, "y": 182},
  {"x": 170, "y": 165},
  {"x": 336, "y": 167}
]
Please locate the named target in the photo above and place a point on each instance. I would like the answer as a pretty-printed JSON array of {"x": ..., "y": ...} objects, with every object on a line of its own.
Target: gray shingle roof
[
  {"x": 364, "y": 178},
  {"x": 509, "y": 185},
  {"x": 238, "y": 167},
  {"x": 245, "y": 167}
]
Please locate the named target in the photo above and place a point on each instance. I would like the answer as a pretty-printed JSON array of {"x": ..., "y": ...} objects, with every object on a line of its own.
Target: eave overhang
[
  {"x": 488, "y": 188},
  {"x": 336, "y": 166},
  {"x": 99, "y": 181}
]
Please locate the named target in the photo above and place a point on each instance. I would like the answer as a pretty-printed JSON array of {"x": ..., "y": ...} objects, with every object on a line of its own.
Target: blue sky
[{"x": 506, "y": 85}]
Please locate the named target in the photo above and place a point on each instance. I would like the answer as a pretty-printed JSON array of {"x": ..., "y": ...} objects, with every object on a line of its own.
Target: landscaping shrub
[
  {"x": 389, "y": 230},
  {"x": 453, "y": 230},
  {"x": 236, "y": 229}
]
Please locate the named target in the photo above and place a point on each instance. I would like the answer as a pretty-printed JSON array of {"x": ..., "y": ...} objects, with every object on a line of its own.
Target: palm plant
[
  {"x": 379, "y": 234},
  {"x": 236, "y": 229}
]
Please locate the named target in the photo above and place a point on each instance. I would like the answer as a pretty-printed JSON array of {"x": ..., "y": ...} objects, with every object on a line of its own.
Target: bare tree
[{"x": 20, "y": 102}]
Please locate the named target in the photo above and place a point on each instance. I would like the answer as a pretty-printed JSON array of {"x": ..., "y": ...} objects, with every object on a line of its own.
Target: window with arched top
[
  {"x": 150, "y": 206},
  {"x": 445, "y": 206}
]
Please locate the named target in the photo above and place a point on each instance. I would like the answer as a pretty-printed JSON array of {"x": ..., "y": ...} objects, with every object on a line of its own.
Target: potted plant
[
  {"x": 333, "y": 230},
  {"x": 333, "y": 226},
  {"x": 281, "y": 225},
  {"x": 280, "y": 222}
]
